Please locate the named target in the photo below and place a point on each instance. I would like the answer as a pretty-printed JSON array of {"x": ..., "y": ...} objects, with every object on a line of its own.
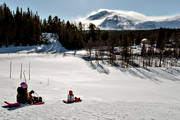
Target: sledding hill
[{"x": 107, "y": 92}]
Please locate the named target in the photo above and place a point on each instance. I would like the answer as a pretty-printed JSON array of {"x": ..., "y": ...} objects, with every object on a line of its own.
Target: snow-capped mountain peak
[
  {"x": 99, "y": 15},
  {"x": 123, "y": 20}
]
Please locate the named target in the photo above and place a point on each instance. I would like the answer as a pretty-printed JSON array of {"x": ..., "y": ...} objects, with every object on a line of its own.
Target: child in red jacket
[{"x": 71, "y": 97}]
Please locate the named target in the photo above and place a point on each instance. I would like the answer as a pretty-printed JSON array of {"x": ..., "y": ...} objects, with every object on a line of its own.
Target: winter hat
[
  {"x": 24, "y": 85},
  {"x": 71, "y": 92}
]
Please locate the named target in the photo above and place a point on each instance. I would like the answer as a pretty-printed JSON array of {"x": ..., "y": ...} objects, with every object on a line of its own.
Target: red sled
[
  {"x": 76, "y": 100},
  {"x": 11, "y": 105}
]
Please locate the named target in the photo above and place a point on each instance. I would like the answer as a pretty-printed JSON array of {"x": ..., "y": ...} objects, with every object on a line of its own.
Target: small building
[{"x": 145, "y": 41}]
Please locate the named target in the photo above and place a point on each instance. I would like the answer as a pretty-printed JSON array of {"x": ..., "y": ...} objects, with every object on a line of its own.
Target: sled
[
  {"x": 67, "y": 102},
  {"x": 12, "y": 105}
]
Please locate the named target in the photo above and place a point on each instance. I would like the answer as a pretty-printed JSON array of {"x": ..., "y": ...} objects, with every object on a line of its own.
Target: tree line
[
  {"x": 20, "y": 28},
  {"x": 161, "y": 47}
]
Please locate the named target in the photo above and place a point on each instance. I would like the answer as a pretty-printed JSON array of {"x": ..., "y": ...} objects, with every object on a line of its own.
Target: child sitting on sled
[
  {"x": 71, "y": 97},
  {"x": 24, "y": 96}
]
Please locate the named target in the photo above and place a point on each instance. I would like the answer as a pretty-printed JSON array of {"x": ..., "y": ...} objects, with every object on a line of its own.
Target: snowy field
[{"x": 108, "y": 93}]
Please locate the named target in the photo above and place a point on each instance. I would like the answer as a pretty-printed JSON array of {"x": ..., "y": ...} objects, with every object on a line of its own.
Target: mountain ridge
[{"x": 129, "y": 20}]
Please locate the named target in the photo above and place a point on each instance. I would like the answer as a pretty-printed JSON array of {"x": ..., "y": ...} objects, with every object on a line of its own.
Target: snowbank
[{"x": 54, "y": 46}]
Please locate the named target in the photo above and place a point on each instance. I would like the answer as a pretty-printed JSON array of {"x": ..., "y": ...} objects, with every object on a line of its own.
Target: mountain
[{"x": 129, "y": 20}]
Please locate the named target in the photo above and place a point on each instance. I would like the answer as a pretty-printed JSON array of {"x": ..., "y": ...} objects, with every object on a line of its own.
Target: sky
[{"x": 73, "y": 9}]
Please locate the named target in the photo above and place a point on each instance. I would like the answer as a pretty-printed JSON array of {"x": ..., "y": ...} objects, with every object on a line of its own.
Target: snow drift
[{"x": 53, "y": 46}]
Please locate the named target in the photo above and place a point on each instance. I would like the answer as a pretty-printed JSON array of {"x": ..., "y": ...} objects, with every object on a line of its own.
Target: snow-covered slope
[
  {"x": 107, "y": 92},
  {"x": 125, "y": 20},
  {"x": 54, "y": 46}
]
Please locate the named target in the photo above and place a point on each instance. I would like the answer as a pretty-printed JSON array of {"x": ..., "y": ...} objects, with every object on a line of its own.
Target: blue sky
[{"x": 71, "y": 9}]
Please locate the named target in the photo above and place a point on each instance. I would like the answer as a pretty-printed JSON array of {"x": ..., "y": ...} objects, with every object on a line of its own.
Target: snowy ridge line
[{"x": 128, "y": 20}]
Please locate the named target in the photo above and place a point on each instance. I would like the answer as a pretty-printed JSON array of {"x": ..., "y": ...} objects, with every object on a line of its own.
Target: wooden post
[
  {"x": 24, "y": 77},
  {"x": 21, "y": 72},
  {"x": 10, "y": 69},
  {"x": 29, "y": 71}
]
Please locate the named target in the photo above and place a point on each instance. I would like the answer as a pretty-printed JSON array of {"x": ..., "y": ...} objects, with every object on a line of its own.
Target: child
[
  {"x": 24, "y": 96},
  {"x": 71, "y": 97}
]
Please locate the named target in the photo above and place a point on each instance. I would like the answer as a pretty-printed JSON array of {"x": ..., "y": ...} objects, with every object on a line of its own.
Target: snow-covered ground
[
  {"x": 108, "y": 93},
  {"x": 53, "y": 47}
]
